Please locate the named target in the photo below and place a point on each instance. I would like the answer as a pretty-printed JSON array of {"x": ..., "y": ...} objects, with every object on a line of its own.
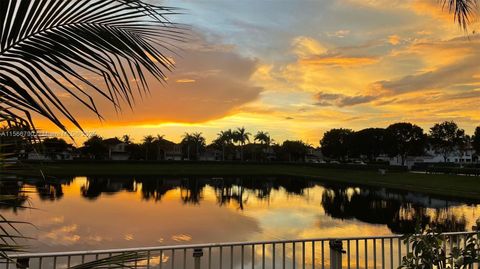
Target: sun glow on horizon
[{"x": 345, "y": 63}]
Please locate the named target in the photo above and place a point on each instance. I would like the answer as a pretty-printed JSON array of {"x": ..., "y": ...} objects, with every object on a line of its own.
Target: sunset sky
[{"x": 299, "y": 68}]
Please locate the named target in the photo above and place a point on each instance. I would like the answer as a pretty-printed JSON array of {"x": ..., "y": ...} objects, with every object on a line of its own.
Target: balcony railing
[{"x": 375, "y": 252}]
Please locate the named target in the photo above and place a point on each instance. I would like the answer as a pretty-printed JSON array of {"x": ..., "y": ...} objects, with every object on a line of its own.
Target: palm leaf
[
  {"x": 48, "y": 47},
  {"x": 9, "y": 235},
  {"x": 463, "y": 10},
  {"x": 125, "y": 260}
]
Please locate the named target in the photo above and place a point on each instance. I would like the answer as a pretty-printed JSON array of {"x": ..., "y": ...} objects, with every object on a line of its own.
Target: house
[
  {"x": 118, "y": 152},
  {"x": 269, "y": 154},
  {"x": 64, "y": 155},
  {"x": 464, "y": 156},
  {"x": 172, "y": 152},
  {"x": 314, "y": 155},
  {"x": 211, "y": 154}
]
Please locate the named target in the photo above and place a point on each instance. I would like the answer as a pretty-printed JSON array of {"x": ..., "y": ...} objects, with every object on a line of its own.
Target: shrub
[{"x": 428, "y": 252}]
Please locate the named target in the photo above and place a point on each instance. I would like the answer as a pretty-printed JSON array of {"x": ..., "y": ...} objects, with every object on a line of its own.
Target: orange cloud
[
  {"x": 394, "y": 40},
  {"x": 339, "y": 60},
  {"x": 209, "y": 82},
  {"x": 185, "y": 80},
  {"x": 432, "y": 8},
  {"x": 307, "y": 46}
]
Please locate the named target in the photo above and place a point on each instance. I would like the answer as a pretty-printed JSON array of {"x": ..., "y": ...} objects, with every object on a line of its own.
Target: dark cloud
[
  {"x": 341, "y": 100},
  {"x": 460, "y": 72}
]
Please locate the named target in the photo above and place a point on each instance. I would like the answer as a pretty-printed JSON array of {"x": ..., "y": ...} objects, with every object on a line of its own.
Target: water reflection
[
  {"x": 102, "y": 212},
  {"x": 400, "y": 211}
]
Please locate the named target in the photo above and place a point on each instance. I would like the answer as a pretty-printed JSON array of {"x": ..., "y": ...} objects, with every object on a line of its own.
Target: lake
[{"x": 83, "y": 213}]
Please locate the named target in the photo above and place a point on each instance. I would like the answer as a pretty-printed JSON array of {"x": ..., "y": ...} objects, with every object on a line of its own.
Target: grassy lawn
[{"x": 448, "y": 185}]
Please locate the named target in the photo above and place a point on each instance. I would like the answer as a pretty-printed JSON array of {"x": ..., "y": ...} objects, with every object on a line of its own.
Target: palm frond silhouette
[
  {"x": 50, "y": 48},
  {"x": 463, "y": 10}
]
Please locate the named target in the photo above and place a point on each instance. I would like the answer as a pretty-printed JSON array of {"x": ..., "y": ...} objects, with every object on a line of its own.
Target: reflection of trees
[
  {"x": 400, "y": 211},
  {"x": 155, "y": 189},
  {"x": 11, "y": 188},
  {"x": 19, "y": 189},
  {"x": 227, "y": 190},
  {"x": 397, "y": 212},
  {"x": 46, "y": 191},
  {"x": 191, "y": 190},
  {"x": 95, "y": 186},
  {"x": 237, "y": 190}
]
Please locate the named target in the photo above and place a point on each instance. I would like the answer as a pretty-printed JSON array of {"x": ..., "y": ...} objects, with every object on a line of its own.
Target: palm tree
[
  {"x": 147, "y": 143},
  {"x": 463, "y": 10},
  {"x": 241, "y": 136},
  {"x": 199, "y": 141},
  {"x": 196, "y": 140},
  {"x": 159, "y": 141},
  {"x": 186, "y": 140},
  {"x": 59, "y": 44},
  {"x": 224, "y": 138},
  {"x": 126, "y": 139},
  {"x": 263, "y": 138}
]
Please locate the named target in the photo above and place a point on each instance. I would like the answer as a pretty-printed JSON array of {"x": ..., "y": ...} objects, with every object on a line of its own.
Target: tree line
[
  {"x": 399, "y": 139},
  {"x": 237, "y": 144}
]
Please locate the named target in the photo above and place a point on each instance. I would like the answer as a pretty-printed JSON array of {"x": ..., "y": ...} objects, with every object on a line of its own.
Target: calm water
[{"x": 112, "y": 212}]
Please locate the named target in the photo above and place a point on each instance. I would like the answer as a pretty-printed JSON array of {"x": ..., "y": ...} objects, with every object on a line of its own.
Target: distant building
[
  {"x": 314, "y": 155},
  {"x": 465, "y": 156},
  {"x": 211, "y": 154},
  {"x": 269, "y": 154},
  {"x": 118, "y": 152},
  {"x": 58, "y": 156},
  {"x": 172, "y": 152}
]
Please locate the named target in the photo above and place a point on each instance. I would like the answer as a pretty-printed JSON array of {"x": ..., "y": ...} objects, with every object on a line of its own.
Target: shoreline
[{"x": 437, "y": 184}]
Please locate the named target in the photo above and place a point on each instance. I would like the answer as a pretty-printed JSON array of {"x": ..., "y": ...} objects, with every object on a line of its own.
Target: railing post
[
  {"x": 23, "y": 263},
  {"x": 197, "y": 255},
  {"x": 336, "y": 251}
]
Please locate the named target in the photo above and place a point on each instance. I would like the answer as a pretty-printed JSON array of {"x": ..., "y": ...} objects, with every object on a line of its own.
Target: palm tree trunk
[
  {"x": 223, "y": 151},
  {"x": 241, "y": 151},
  {"x": 197, "y": 152}
]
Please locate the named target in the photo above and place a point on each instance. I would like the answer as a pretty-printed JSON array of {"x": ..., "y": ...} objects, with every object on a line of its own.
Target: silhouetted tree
[
  {"x": 447, "y": 138},
  {"x": 263, "y": 138},
  {"x": 294, "y": 150},
  {"x": 241, "y": 136},
  {"x": 407, "y": 139},
  {"x": 223, "y": 140},
  {"x": 336, "y": 143},
  {"x": 149, "y": 147},
  {"x": 476, "y": 141},
  {"x": 370, "y": 142},
  {"x": 53, "y": 146},
  {"x": 265, "y": 141},
  {"x": 94, "y": 147},
  {"x": 192, "y": 145},
  {"x": 126, "y": 139}
]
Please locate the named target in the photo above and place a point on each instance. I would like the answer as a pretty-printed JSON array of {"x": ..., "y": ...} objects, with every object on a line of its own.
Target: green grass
[{"x": 440, "y": 184}]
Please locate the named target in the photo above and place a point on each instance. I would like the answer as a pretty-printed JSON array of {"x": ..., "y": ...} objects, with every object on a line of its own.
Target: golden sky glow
[{"x": 298, "y": 68}]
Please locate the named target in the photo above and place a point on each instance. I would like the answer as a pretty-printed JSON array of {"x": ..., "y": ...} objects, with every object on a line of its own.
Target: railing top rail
[{"x": 210, "y": 245}]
